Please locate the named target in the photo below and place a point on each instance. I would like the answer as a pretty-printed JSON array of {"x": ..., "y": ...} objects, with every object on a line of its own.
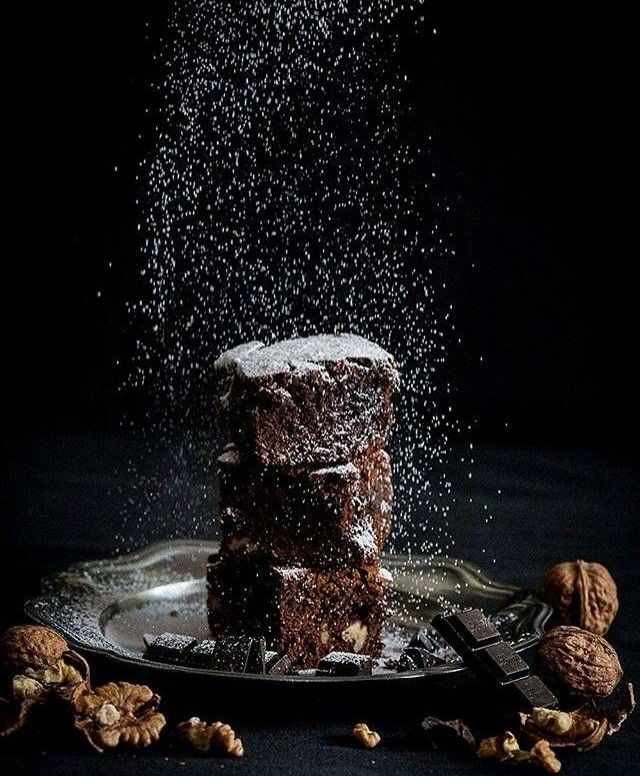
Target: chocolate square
[
  {"x": 202, "y": 655},
  {"x": 502, "y": 662},
  {"x": 277, "y": 665},
  {"x": 345, "y": 664},
  {"x": 529, "y": 693},
  {"x": 168, "y": 647}
]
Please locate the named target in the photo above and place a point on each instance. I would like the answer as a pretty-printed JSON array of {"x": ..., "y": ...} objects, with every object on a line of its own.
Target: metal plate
[{"x": 105, "y": 606}]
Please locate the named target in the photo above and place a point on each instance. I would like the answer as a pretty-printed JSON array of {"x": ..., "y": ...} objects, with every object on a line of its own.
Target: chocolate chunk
[
  {"x": 467, "y": 630},
  {"x": 168, "y": 647},
  {"x": 433, "y": 643},
  {"x": 202, "y": 655},
  {"x": 314, "y": 400},
  {"x": 235, "y": 654},
  {"x": 502, "y": 662},
  {"x": 415, "y": 658},
  {"x": 232, "y": 653},
  {"x": 451, "y": 734},
  {"x": 256, "y": 663},
  {"x": 277, "y": 665},
  {"x": 529, "y": 693},
  {"x": 345, "y": 664}
]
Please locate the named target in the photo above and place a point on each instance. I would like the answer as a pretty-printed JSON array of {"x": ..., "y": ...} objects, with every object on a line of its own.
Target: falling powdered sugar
[{"x": 287, "y": 192}]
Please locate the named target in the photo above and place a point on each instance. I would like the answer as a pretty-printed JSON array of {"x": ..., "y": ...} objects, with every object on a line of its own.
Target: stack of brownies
[{"x": 305, "y": 495}]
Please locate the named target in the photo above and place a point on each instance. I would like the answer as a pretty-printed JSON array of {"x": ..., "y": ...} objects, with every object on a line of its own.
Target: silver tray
[{"x": 105, "y": 606}]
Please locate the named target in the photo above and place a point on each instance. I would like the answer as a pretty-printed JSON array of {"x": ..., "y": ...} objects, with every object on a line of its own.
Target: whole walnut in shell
[
  {"x": 31, "y": 646},
  {"x": 582, "y": 594},
  {"x": 581, "y": 661}
]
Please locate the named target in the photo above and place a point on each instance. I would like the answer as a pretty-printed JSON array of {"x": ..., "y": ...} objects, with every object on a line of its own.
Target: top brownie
[{"x": 313, "y": 400}]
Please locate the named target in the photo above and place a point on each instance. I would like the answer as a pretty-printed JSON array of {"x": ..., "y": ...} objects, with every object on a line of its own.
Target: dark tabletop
[{"x": 59, "y": 497}]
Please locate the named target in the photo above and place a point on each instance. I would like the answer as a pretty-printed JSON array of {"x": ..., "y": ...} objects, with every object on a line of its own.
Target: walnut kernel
[
  {"x": 557, "y": 722},
  {"x": 355, "y": 635},
  {"x": 117, "y": 713},
  {"x": 204, "y": 737},
  {"x": 364, "y": 736},
  {"x": 543, "y": 755},
  {"x": 501, "y": 747}
]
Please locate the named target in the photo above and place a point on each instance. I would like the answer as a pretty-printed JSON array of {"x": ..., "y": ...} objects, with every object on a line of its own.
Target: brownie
[
  {"x": 304, "y": 613},
  {"x": 317, "y": 517},
  {"x": 314, "y": 400}
]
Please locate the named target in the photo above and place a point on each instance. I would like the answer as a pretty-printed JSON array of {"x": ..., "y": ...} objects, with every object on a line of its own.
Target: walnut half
[
  {"x": 204, "y": 737},
  {"x": 118, "y": 713},
  {"x": 366, "y": 737}
]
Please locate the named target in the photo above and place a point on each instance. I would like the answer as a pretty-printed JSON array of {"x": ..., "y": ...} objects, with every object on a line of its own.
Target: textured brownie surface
[
  {"x": 305, "y": 613},
  {"x": 319, "y": 517},
  {"x": 314, "y": 400}
]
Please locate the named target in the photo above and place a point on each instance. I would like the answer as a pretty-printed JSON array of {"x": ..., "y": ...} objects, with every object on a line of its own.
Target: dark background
[{"x": 527, "y": 106}]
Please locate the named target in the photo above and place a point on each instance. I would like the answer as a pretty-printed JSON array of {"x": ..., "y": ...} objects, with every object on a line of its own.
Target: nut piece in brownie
[
  {"x": 313, "y": 400},
  {"x": 318, "y": 517},
  {"x": 303, "y": 613}
]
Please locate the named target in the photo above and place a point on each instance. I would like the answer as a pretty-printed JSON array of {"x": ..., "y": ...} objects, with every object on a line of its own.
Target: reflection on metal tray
[{"x": 105, "y": 607}]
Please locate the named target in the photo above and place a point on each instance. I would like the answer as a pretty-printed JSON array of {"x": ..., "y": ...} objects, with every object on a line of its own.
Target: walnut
[
  {"x": 543, "y": 755},
  {"x": 501, "y": 747},
  {"x": 583, "y": 728},
  {"x": 43, "y": 656},
  {"x": 583, "y": 594},
  {"x": 31, "y": 646},
  {"x": 505, "y": 748},
  {"x": 204, "y": 737},
  {"x": 581, "y": 661},
  {"x": 48, "y": 671},
  {"x": 355, "y": 635},
  {"x": 365, "y": 737},
  {"x": 26, "y": 688},
  {"x": 117, "y": 712}
]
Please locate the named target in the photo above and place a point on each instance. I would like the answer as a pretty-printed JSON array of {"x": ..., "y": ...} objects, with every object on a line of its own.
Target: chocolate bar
[
  {"x": 481, "y": 647},
  {"x": 308, "y": 401},
  {"x": 168, "y": 647},
  {"x": 345, "y": 664}
]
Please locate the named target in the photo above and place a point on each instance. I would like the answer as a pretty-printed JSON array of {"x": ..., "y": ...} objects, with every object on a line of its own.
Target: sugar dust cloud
[{"x": 288, "y": 189}]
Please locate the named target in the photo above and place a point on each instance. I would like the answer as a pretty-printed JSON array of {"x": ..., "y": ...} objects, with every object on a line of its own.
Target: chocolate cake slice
[
  {"x": 318, "y": 517},
  {"x": 304, "y": 613},
  {"x": 308, "y": 401}
]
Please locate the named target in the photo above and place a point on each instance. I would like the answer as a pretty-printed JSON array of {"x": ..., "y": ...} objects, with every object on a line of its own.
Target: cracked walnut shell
[
  {"x": 581, "y": 661},
  {"x": 583, "y": 728},
  {"x": 583, "y": 594},
  {"x": 118, "y": 713}
]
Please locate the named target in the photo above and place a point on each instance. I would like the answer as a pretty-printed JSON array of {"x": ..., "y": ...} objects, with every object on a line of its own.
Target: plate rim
[{"x": 36, "y": 610}]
